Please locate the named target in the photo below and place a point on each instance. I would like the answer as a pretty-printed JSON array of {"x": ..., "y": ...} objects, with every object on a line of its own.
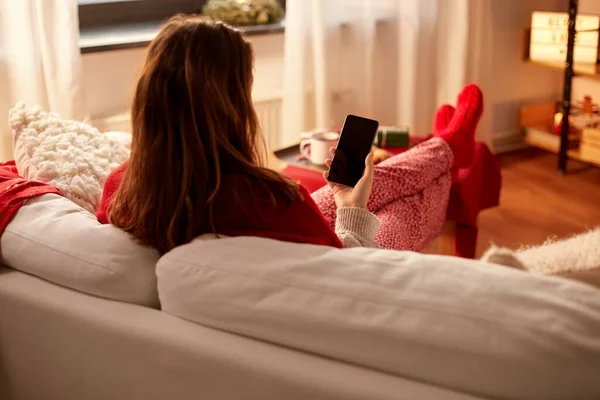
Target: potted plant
[{"x": 245, "y": 12}]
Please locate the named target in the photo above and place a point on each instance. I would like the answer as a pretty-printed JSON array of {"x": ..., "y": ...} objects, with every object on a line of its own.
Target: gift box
[{"x": 392, "y": 136}]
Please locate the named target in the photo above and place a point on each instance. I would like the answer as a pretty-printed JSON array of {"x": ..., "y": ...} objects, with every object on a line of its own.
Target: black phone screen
[{"x": 354, "y": 145}]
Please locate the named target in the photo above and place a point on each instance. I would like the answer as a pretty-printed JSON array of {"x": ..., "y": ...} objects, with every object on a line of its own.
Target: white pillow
[
  {"x": 71, "y": 155},
  {"x": 53, "y": 238},
  {"x": 477, "y": 328}
]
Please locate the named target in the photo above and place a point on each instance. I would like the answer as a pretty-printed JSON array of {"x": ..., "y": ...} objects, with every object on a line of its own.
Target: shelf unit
[
  {"x": 572, "y": 154},
  {"x": 588, "y": 70},
  {"x": 537, "y": 121},
  {"x": 570, "y": 71}
]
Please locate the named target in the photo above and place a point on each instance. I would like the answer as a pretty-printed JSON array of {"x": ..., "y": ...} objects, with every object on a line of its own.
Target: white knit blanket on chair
[{"x": 575, "y": 254}]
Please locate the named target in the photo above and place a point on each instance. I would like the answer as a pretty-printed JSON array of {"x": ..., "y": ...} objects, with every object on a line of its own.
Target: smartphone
[{"x": 354, "y": 144}]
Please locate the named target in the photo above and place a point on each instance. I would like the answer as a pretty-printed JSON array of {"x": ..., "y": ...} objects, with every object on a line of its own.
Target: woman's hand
[{"x": 358, "y": 196}]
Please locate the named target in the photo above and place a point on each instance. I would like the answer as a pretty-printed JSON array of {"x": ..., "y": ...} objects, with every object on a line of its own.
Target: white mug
[{"x": 316, "y": 148}]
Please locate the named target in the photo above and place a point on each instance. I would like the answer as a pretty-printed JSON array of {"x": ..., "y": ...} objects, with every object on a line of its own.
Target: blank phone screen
[{"x": 353, "y": 147}]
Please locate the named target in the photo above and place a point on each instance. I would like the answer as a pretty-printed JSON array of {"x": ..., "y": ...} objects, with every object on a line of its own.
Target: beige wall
[
  {"x": 110, "y": 76},
  {"x": 517, "y": 82}
]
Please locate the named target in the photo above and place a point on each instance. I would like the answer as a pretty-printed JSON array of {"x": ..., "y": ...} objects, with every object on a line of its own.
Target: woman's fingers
[
  {"x": 370, "y": 164},
  {"x": 328, "y": 162},
  {"x": 332, "y": 151}
]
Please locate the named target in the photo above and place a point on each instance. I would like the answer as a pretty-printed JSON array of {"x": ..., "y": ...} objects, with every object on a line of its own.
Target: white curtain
[
  {"x": 393, "y": 60},
  {"x": 40, "y": 61}
]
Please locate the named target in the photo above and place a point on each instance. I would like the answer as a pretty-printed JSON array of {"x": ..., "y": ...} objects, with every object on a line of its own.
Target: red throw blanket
[{"x": 15, "y": 190}]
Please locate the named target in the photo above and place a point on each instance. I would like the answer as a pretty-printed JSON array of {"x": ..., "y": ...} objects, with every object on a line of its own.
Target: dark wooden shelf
[
  {"x": 534, "y": 141},
  {"x": 580, "y": 69},
  {"x": 536, "y": 122},
  {"x": 587, "y": 70},
  {"x": 570, "y": 70}
]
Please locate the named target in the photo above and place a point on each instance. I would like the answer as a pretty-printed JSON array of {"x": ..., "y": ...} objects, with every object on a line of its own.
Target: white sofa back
[
  {"x": 55, "y": 239},
  {"x": 473, "y": 327}
]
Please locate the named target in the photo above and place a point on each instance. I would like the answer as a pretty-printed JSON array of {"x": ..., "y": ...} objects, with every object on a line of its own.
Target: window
[
  {"x": 106, "y": 25},
  {"x": 95, "y": 14}
]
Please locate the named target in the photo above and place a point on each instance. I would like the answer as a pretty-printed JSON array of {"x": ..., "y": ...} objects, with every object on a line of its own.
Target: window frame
[{"x": 94, "y": 14}]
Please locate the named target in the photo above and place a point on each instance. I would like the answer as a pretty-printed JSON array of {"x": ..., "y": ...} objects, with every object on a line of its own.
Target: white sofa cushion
[
  {"x": 53, "y": 238},
  {"x": 461, "y": 324}
]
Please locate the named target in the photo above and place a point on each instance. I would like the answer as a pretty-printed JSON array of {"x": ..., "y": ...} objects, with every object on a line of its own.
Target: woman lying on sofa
[{"x": 195, "y": 164}]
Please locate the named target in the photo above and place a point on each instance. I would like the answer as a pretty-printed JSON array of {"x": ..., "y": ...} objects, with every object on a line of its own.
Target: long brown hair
[{"x": 193, "y": 122}]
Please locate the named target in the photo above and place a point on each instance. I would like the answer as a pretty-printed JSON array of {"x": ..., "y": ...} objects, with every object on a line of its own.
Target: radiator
[
  {"x": 268, "y": 112},
  {"x": 114, "y": 123},
  {"x": 504, "y": 142},
  {"x": 269, "y": 118}
]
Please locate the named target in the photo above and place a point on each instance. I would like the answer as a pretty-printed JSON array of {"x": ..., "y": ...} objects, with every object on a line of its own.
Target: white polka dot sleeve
[{"x": 356, "y": 227}]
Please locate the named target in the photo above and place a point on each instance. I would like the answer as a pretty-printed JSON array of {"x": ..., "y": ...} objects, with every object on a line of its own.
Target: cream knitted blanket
[
  {"x": 577, "y": 257},
  {"x": 71, "y": 155}
]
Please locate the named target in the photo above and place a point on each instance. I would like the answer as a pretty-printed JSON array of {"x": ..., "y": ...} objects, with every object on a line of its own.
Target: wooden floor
[{"x": 537, "y": 202}]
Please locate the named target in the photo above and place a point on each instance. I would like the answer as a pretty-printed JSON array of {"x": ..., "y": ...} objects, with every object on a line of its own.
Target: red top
[{"x": 254, "y": 215}]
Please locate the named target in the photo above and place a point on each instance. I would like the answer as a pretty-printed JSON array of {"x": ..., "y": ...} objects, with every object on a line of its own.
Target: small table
[
  {"x": 291, "y": 155},
  {"x": 474, "y": 189}
]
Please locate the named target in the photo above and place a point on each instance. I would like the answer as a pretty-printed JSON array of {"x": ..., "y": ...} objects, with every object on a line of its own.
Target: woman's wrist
[{"x": 349, "y": 203}]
